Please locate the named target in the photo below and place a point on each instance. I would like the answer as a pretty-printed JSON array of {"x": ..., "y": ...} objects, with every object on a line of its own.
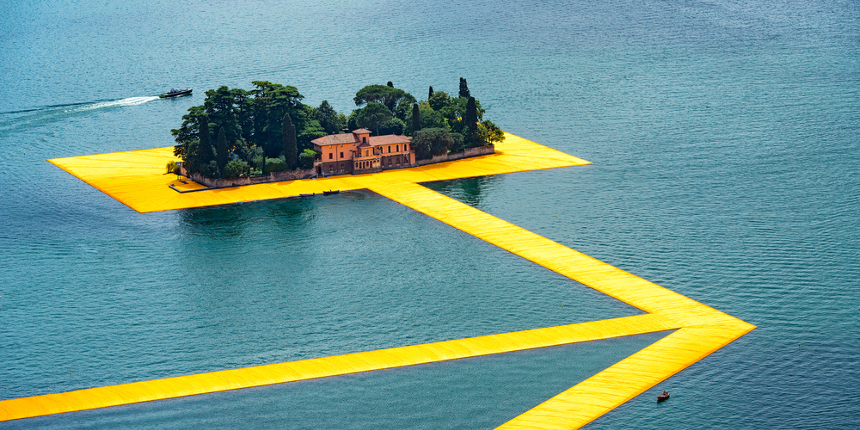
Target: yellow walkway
[
  {"x": 698, "y": 329},
  {"x": 137, "y": 178}
]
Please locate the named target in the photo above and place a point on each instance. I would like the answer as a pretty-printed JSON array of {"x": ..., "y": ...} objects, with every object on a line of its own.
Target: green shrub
[
  {"x": 275, "y": 165},
  {"x": 172, "y": 167},
  {"x": 306, "y": 158},
  {"x": 234, "y": 169}
]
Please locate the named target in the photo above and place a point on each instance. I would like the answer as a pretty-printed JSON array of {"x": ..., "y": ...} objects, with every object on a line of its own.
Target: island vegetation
[{"x": 268, "y": 129}]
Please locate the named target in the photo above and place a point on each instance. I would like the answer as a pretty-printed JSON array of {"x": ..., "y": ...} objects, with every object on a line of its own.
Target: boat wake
[
  {"x": 48, "y": 114},
  {"x": 131, "y": 101}
]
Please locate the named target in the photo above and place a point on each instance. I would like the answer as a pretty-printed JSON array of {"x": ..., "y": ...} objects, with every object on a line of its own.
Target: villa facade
[{"x": 357, "y": 152}]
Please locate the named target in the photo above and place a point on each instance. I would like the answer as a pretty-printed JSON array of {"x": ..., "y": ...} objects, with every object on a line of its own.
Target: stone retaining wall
[
  {"x": 293, "y": 175},
  {"x": 290, "y": 175},
  {"x": 468, "y": 152}
]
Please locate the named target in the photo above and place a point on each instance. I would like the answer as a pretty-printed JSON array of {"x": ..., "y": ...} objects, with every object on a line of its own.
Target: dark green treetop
[
  {"x": 372, "y": 116},
  {"x": 464, "y": 89},
  {"x": 416, "y": 118},
  {"x": 389, "y": 96},
  {"x": 222, "y": 151},
  {"x": 290, "y": 143}
]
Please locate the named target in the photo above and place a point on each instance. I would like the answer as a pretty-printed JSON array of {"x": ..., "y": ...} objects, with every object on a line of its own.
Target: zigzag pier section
[{"x": 696, "y": 329}]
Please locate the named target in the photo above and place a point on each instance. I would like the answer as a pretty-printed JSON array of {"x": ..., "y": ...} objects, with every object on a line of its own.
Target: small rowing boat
[{"x": 663, "y": 396}]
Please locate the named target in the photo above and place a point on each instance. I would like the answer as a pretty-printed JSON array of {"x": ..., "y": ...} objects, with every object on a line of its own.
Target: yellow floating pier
[{"x": 136, "y": 178}]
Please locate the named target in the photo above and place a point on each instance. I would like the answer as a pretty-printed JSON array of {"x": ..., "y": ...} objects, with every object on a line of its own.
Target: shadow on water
[
  {"x": 466, "y": 190},
  {"x": 232, "y": 221}
]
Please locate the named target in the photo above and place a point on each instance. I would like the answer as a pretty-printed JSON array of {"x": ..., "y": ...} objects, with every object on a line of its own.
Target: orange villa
[{"x": 357, "y": 152}]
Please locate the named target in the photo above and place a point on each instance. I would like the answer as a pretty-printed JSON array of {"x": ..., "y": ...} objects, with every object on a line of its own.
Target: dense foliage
[{"x": 268, "y": 129}]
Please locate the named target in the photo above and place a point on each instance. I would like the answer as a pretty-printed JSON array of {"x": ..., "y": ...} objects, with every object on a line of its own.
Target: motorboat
[{"x": 175, "y": 93}]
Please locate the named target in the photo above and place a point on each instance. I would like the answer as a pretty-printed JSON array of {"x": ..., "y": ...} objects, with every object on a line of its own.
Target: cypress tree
[
  {"x": 204, "y": 148},
  {"x": 390, "y": 84},
  {"x": 221, "y": 151},
  {"x": 464, "y": 88},
  {"x": 416, "y": 119},
  {"x": 290, "y": 144},
  {"x": 471, "y": 119},
  {"x": 431, "y": 92}
]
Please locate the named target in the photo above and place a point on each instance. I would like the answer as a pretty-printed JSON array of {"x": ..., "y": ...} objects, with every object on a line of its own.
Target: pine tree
[
  {"x": 431, "y": 93},
  {"x": 464, "y": 88},
  {"x": 416, "y": 119},
  {"x": 290, "y": 144},
  {"x": 221, "y": 151}
]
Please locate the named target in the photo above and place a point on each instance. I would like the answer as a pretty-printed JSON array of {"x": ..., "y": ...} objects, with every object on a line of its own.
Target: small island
[{"x": 267, "y": 134}]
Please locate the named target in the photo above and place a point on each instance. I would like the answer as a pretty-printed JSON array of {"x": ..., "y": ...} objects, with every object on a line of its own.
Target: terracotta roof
[
  {"x": 363, "y": 145},
  {"x": 362, "y": 131},
  {"x": 390, "y": 139},
  {"x": 349, "y": 138},
  {"x": 335, "y": 139}
]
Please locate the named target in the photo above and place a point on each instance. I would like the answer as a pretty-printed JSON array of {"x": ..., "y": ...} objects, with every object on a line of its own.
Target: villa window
[
  {"x": 341, "y": 155},
  {"x": 330, "y": 155},
  {"x": 396, "y": 148}
]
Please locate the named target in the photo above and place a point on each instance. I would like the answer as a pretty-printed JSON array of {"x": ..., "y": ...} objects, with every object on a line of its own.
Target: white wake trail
[{"x": 131, "y": 101}]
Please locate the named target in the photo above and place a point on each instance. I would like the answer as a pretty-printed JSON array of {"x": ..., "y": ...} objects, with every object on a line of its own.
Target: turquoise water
[{"x": 725, "y": 138}]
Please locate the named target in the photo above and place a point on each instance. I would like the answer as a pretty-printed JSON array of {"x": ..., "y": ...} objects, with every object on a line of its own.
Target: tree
[
  {"x": 430, "y": 118},
  {"x": 206, "y": 152},
  {"x": 430, "y": 94},
  {"x": 221, "y": 151},
  {"x": 416, "y": 118},
  {"x": 489, "y": 133},
  {"x": 390, "y": 84},
  {"x": 290, "y": 143},
  {"x": 464, "y": 89},
  {"x": 372, "y": 116},
  {"x": 434, "y": 141},
  {"x": 187, "y": 139},
  {"x": 471, "y": 120},
  {"x": 439, "y": 100},
  {"x": 270, "y": 103},
  {"x": 223, "y": 108},
  {"x": 389, "y": 96},
  {"x": 329, "y": 120},
  {"x": 392, "y": 126}
]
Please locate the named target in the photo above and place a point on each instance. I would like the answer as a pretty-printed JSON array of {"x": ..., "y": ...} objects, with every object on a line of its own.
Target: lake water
[{"x": 725, "y": 138}]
